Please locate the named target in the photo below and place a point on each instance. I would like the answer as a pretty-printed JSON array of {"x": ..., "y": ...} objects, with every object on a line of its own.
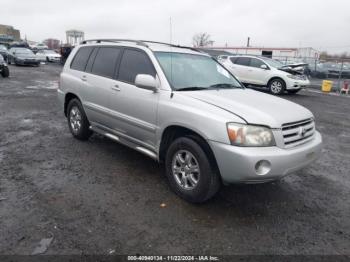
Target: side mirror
[
  {"x": 146, "y": 82},
  {"x": 264, "y": 67}
]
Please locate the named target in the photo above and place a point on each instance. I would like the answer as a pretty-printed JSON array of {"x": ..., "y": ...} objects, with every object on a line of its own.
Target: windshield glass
[
  {"x": 23, "y": 51},
  {"x": 273, "y": 63},
  {"x": 195, "y": 71}
]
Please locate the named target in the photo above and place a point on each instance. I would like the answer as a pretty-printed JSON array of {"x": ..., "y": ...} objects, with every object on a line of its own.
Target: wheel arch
[
  {"x": 67, "y": 98},
  {"x": 276, "y": 78},
  {"x": 172, "y": 132}
]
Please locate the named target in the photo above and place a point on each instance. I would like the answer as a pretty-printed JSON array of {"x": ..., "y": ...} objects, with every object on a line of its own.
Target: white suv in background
[{"x": 266, "y": 72}]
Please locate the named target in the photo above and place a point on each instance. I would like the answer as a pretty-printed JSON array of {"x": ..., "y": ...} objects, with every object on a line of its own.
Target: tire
[
  {"x": 5, "y": 72},
  {"x": 207, "y": 177},
  {"x": 293, "y": 91},
  {"x": 276, "y": 86},
  {"x": 77, "y": 121}
]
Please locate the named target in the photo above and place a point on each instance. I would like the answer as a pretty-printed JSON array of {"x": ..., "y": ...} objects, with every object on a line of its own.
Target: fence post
[{"x": 340, "y": 73}]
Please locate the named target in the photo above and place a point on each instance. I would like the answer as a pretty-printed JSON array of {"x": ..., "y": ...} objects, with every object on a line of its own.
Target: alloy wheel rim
[
  {"x": 185, "y": 169},
  {"x": 75, "y": 119},
  {"x": 276, "y": 87}
]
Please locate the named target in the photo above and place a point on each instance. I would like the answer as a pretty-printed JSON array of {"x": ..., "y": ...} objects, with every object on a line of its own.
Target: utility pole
[{"x": 248, "y": 42}]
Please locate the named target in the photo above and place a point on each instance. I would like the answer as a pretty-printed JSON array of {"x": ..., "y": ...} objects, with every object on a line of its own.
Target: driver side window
[{"x": 256, "y": 63}]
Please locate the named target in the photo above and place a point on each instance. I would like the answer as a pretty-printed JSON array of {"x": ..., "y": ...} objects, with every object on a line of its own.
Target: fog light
[{"x": 262, "y": 167}]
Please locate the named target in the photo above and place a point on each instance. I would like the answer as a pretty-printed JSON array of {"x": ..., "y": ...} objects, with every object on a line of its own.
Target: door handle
[
  {"x": 115, "y": 88},
  {"x": 83, "y": 78}
]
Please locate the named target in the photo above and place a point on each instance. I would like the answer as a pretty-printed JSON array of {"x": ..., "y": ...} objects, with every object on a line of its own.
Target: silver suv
[{"x": 183, "y": 109}]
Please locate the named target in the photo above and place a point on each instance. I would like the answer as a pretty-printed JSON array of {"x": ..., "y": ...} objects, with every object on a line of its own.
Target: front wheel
[
  {"x": 190, "y": 172},
  {"x": 77, "y": 121},
  {"x": 276, "y": 86},
  {"x": 293, "y": 91},
  {"x": 5, "y": 72}
]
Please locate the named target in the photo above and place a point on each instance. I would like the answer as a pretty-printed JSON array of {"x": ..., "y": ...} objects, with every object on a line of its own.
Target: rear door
[
  {"x": 136, "y": 108},
  {"x": 101, "y": 84}
]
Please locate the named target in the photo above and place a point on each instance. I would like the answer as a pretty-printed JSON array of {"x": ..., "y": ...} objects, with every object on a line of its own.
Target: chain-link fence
[{"x": 336, "y": 70}]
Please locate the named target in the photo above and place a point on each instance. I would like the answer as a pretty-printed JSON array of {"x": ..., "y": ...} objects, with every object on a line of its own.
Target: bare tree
[{"x": 202, "y": 39}]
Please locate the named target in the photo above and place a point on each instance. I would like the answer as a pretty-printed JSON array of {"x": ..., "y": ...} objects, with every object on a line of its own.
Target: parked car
[
  {"x": 184, "y": 109},
  {"x": 4, "y": 52},
  {"x": 266, "y": 72},
  {"x": 22, "y": 56},
  {"x": 4, "y": 70},
  {"x": 48, "y": 55}
]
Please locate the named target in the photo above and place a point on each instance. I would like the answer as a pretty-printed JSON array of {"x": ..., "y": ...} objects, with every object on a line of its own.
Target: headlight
[
  {"x": 250, "y": 135},
  {"x": 296, "y": 77}
]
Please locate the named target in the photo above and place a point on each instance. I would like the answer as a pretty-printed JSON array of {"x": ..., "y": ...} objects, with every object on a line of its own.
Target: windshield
[
  {"x": 187, "y": 71},
  {"x": 23, "y": 51},
  {"x": 273, "y": 63}
]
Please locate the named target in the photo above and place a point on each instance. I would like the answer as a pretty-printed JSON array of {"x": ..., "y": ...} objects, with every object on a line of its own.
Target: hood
[
  {"x": 252, "y": 106},
  {"x": 54, "y": 55},
  {"x": 294, "y": 69}
]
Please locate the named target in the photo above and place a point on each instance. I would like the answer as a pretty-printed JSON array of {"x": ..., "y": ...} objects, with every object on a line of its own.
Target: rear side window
[
  {"x": 106, "y": 61},
  {"x": 133, "y": 63},
  {"x": 244, "y": 61},
  {"x": 81, "y": 58},
  {"x": 256, "y": 63}
]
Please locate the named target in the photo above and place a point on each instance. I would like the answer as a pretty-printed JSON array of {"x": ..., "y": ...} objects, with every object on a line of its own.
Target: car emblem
[{"x": 302, "y": 131}]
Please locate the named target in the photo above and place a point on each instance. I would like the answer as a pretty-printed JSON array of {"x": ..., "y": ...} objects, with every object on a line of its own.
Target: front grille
[{"x": 297, "y": 133}]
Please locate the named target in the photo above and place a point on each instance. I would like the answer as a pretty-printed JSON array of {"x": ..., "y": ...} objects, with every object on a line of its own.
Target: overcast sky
[{"x": 322, "y": 24}]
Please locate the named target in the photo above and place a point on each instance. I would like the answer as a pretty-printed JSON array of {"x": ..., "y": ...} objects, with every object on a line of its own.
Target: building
[
  {"x": 52, "y": 43},
  {"x": 280, "y": 53},
  {"x": 9, "y": 34},
  {"x": 74, "y": 37}
]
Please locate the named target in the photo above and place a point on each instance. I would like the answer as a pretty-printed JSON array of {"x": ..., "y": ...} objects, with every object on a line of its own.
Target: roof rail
[
  {"x": 172, "y": 45},
  {"x": 139, "y": 42}
]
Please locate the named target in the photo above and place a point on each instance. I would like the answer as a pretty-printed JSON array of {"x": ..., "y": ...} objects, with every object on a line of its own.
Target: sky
[{"x": 322, "y": 24}]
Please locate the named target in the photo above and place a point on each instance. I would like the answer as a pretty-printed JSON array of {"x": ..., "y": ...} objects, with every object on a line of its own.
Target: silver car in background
[{"x": 185, "y": 110}]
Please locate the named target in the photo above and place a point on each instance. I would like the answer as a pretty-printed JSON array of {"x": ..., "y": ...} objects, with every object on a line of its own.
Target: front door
[{"x": 135, "y": 108}]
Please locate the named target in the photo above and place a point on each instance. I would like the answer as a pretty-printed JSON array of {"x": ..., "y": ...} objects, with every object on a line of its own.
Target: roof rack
[{"x": 139, "y": 42}]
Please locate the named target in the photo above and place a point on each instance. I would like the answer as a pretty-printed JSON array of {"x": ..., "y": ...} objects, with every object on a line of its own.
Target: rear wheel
[
  {"x": 293, "y": 91},
  {"x": 77, "y": 121},
  {"x": 276, "y": 86},
  {"x": 190, "y": 173},
  {"x": 5, "y": 72}
]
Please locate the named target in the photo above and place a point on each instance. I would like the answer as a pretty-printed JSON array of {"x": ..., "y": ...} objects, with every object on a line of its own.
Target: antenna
[{"x": 171, "y": 50}]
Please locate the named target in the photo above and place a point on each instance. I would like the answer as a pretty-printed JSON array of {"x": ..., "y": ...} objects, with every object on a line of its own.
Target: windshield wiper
[
  {"x": 191, "y": 88},
  {"x": 224, "y": 85}
]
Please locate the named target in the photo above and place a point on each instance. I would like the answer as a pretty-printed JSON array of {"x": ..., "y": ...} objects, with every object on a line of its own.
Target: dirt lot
[{"x": 99, "y": 197}]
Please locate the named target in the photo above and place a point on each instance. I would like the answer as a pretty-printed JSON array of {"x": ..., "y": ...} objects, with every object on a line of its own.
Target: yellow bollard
[{"x": 327, "y": 85}]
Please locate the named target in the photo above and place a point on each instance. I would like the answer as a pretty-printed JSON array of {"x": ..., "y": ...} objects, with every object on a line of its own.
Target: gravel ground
[{"x": 99, "y": 197}]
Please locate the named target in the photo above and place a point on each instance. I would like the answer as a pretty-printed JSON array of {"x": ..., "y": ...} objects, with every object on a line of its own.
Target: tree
[{"x": 201, "y": 40}]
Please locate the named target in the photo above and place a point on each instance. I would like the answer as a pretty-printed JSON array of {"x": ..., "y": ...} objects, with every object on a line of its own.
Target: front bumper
[
  {"x": 296, "y": 84},
  {"x": 238, "y": 164},
  {"x": 27, "y": 62}
]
